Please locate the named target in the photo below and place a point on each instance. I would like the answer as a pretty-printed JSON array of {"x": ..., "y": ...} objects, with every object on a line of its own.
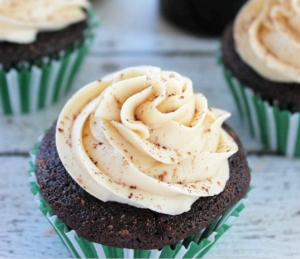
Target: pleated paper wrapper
[{"x": 276, "y": 128}]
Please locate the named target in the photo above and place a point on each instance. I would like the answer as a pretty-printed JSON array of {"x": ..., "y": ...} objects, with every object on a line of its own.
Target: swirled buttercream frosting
[
  {"x": 141, "y": 136},
  {"x": 20, "y": 20},
  {"x": 267, "y": 37}
]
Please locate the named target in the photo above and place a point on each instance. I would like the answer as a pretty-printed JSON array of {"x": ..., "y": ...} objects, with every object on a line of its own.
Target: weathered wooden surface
[{"x": 132, "y": 33}]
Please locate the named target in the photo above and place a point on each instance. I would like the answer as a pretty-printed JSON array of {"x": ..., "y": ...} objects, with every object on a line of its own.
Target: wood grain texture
[{"x": 269, "y": 227}]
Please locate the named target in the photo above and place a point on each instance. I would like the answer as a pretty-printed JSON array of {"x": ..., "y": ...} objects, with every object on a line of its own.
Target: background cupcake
[
  {"x": 121, "y": 189},
  {"x": 261, "y": 58},
  {"x": 42, "y": 44},
  {"x": 200, "y": 16}
]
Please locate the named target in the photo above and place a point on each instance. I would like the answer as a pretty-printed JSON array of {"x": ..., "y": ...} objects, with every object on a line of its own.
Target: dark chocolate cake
[{"x": 121, "y": 225}]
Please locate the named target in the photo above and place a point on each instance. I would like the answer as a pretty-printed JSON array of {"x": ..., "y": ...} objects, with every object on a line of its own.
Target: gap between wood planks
[
  {"x": 16, "y": 154},
  {"x": 161, "y": 53}
]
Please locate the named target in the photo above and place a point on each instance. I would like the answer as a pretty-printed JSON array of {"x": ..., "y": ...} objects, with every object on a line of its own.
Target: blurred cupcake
[
  {"x": 200, "y": 16},
  {"x": 42, "y": 44},
  {"x": 261, "y": 58},
  {"x": 137, "y": 165}
]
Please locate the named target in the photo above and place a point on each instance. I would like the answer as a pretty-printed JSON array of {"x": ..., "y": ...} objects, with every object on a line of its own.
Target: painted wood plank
[{"x": 24, "y": 232}]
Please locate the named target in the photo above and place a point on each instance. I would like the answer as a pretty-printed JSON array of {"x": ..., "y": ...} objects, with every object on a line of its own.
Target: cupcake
[
  {"x": 42, "y": 44},
  {"x": 261, "y": 60},
  {"x": 137, "y": 165},
  {"x": 200, "y": 16}
]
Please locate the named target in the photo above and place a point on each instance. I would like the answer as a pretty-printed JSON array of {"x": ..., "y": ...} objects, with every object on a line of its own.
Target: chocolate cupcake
[
  {"x": 201, "y": 17},
  {"x": 42, "y": 45},
  {"x": 137, "y": 165},
  {"x": 260, "y": 54}
]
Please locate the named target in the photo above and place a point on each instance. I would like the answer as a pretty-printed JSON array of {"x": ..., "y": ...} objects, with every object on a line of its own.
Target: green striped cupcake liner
[
  {"x": 195, "y": 246},
  {"x": 29, "y": 87},
  {"x": 277, "y": 129}
]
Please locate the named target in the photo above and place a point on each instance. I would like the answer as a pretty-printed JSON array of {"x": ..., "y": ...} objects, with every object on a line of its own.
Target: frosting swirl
[
  {"x": 20, "y": 21},
  {"x": 142, "y": 137},
  {"x": 267, "y": 37}
]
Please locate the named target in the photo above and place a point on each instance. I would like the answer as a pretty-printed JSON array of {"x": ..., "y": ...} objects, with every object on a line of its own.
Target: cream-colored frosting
[
  {"x": 267, "y": 37},
  {"x": 21, "y": 20},
  {"x": 142, "y": 137}
]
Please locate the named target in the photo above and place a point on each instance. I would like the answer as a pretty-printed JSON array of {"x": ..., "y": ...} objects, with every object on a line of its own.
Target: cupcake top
[
  {"x": 141, "y": 136},
  {"x": 21, "y": 21},
  {"x": 267, "y": 38}
]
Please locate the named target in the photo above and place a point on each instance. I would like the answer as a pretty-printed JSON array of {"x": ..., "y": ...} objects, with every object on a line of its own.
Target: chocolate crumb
[{"x": 42, "y": 162}]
